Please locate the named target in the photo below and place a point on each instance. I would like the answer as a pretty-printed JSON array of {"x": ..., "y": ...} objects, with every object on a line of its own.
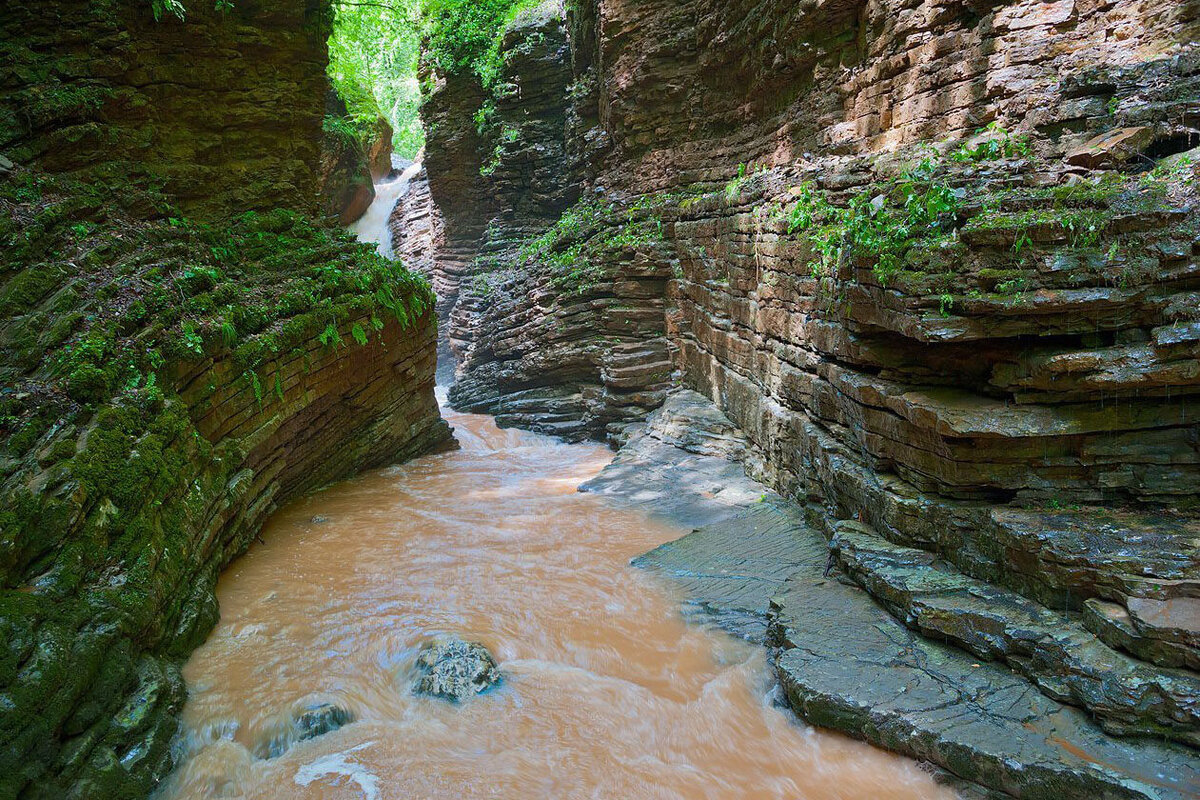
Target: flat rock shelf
[{"x": 757, "y": 568}]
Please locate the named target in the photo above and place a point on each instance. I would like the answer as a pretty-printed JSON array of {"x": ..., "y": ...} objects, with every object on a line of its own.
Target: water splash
[
  {"x": 372, "y": 227},
  {"x": 338, "y": 764}
]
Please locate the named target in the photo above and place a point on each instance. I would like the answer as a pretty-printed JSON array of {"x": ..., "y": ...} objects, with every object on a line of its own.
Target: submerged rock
[
  {"x": 312, "y": 721},
  {"x": 455, "y": 670}
]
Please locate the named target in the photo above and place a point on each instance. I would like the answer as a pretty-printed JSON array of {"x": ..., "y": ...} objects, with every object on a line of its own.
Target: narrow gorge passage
[
  {"x": 886, "y": 311},
  {"x": 608, "y": 692}
]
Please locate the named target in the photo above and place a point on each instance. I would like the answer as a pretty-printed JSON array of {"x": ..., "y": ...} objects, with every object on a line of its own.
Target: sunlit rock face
[
  {"x": 347, "y": 172},
  {"x": 174, "y": 368},
  {"x": 1016, "y": 394}
]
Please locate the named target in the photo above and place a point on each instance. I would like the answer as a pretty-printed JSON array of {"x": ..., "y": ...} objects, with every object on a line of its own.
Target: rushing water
[
  {"x": 608, "y": 692},
  {"x": 373, "y": 227}
]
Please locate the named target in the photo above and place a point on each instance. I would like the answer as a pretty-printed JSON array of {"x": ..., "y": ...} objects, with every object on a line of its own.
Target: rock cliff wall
[
  {"x": 224, "y": 108},
  {"x": 176, "y": 362},
  {"x": 937, "y": 260}
]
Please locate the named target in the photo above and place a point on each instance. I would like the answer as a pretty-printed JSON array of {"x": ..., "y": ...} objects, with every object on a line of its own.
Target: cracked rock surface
[{"x": 754, "y": 566}]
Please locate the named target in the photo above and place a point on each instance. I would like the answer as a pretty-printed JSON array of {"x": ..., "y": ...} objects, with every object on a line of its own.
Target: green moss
[
  {"x": 580, "y": 244},
  {"x": 107, "y": 477}
]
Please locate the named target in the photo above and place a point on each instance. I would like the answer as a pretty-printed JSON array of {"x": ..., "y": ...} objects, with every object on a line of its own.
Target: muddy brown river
[{"x": 608, "y": 693}]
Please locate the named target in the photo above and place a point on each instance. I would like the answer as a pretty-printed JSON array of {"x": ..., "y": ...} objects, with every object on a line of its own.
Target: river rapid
[{"x": 608, "y": 692}]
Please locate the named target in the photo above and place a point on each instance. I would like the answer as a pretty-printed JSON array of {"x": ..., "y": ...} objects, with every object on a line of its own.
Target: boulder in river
[
  {"x": 455, "y": 670},
  {"x": 309, "y": 722}
]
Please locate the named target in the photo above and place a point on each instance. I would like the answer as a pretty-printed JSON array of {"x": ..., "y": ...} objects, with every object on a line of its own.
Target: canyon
[
  {"x": 893, "y": 304},
  {"x": 935, "y": 265},
  {"x": 186, "y": 346}
]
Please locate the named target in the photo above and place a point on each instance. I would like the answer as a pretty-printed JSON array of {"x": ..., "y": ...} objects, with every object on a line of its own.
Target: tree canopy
[{"x": 373, "y": 66}]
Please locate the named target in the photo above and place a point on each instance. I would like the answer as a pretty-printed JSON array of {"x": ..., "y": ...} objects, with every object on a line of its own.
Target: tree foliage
[
  {"x": 466, "y": 34},
  {"x": 373, "y": 66},
  {"x": 376, "y": 44}
]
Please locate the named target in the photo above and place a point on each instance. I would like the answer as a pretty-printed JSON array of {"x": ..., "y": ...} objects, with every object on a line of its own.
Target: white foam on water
[
  {"x": 372, "y": 227},
  {"x": 339, "y": 764}
]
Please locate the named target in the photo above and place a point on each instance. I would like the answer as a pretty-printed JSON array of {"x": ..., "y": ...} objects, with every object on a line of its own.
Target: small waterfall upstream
[{"x": 372, "y": 227}]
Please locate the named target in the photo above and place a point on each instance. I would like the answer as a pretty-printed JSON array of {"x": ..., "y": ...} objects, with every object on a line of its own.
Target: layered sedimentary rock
[
  {"x": 347, "y": 170},
  {"x": 500, "y": 179},
  {"x": 175, "y": 364},
  {"x": 224, "y": 108},
  {"x": 938, "y": 261},
  {"x": 757, "y": 568}
]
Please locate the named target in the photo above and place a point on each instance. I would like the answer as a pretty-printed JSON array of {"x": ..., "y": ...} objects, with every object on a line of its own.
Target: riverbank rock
[
  {"x": 184, "y": 346},
  {"x": 455, "y": 670},
  {"x": 855, "y": 659},
  {"x": 996, "y": 421}
]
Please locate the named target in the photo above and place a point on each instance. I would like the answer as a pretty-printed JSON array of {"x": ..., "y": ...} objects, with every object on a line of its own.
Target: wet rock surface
[
  {"x": 759, "y": 569},
  {"x": 345, "y": 173},
  {"x": 455, "y": 670},
  {"x": 1056, "y": 653},
  {"x": 314, "y": 720},
  {"x": 1010, "y": 413},
  {"x": 846, "y": 664},
  {"x": 1167, "y": 637}
]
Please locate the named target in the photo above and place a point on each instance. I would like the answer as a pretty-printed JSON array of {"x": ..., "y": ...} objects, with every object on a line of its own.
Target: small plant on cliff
[
  {"x": 997, "y": 143},
  {"x": 882, "y": 223},
  {"x": 580, "y": 247}
]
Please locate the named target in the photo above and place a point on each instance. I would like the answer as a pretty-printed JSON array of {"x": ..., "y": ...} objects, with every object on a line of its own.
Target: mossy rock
[{"x": 110, "y": 485}]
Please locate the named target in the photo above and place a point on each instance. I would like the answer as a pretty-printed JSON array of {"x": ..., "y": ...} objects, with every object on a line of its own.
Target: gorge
[{"x": 890, "y": 309}]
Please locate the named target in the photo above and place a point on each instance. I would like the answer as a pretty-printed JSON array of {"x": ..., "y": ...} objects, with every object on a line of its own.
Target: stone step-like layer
[
  {"x": 1064, "y": 556},
  {"x": 847, "y": 664},
  {"x": 1167, "y": 638},
  {"x": 843, "y": 661},
  {"x": 1055, "y": 652}
]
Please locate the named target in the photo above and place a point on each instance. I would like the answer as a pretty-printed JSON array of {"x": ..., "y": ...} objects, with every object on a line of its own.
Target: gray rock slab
[{"x": 847, "y": 664}]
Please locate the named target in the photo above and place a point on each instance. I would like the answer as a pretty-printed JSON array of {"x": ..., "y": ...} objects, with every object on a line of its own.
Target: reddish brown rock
[
  {"x": 1020, "y": 400},
  {"x": 1112, "y": 148}
]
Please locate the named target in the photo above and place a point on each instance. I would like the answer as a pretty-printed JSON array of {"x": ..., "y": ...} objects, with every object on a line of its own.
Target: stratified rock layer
[
  {"x": 175, "y": 364},
  {"x": 755, "y": 567},
  {"x": 1003, "y": 394},
  {"x": 161, "y": 400},
  {"x": 223, "y": 108}
]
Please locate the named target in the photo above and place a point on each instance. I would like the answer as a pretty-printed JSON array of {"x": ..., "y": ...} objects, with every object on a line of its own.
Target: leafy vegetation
[
  {"x": 466, "y": 34},
  {"x": 883, "y": 222},
  {"x": 576, "y": 247},
  {"x": 997, "y": 143},
  {"x": 373, "y": 56},
  {"x": 148, "y": 293},
  {"x": 176, "y": 8},
  {"x": 374, "y": 51}
]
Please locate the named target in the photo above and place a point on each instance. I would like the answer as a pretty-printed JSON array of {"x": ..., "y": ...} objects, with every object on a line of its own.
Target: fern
[
  {"x": 330, "y": 336},
  {"x": 359, "y": 334},
  {"x": 257, "y": 388}
]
